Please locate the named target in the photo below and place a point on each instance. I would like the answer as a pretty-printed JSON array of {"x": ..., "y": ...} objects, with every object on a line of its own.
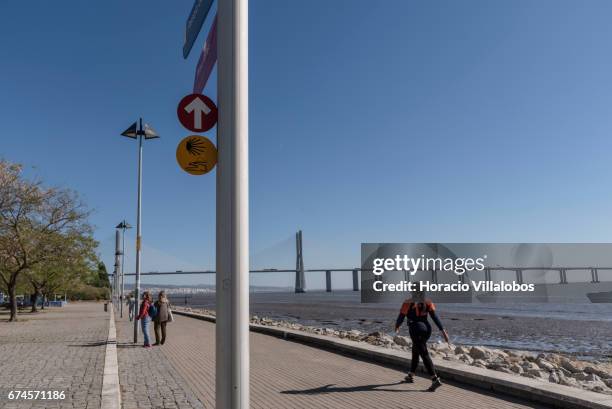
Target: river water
[{"x": 578, "y": 329}]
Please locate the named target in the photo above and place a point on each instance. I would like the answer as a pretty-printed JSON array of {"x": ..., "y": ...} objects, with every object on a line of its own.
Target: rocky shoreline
[{"x": 556, "y": 368}]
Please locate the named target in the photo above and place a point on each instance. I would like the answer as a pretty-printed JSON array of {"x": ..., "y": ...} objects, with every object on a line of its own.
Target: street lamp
[
  {"x": 123, "y": 226},
  {"x": 139, "y": 132}
]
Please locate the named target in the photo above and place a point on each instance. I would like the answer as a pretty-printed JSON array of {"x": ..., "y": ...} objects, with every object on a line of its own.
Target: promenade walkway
[
  {"x": 63, "y": 349},
  {"x": 286, "y": 374},
  {"x": 146, "y": 376},
  {"x": 59, "y": 349}
]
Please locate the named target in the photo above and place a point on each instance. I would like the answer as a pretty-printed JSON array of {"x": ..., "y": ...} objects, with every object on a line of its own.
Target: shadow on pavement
[
  {"x": 90, "y": 344},
  {"x": 362, "y": 388},
  {"x": 128, "y": 345}
]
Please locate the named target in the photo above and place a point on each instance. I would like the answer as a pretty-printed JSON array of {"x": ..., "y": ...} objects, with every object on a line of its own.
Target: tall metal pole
[
  {"x": 117, "y": 267},
  {"x": 232, "y": 254},
  {"x": 122, "y": 272},
  {"x": 138, "y": 232}
]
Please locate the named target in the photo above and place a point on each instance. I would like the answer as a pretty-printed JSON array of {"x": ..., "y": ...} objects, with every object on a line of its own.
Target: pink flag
[{"x": 207, "y": 60}]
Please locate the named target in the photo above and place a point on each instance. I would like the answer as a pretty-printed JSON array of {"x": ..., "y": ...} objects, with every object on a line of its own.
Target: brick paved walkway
[
  {"x": 60, "y": 349},
  {"x": 146, "y": 376},
  {"x": 286, "y": 374},
  {"x": 63, "y": 349}
]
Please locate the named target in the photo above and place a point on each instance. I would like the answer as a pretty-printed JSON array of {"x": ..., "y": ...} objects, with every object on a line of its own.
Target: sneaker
[
  {"x": 435, "y": 384},
  {"x": 409, "y": 378}
]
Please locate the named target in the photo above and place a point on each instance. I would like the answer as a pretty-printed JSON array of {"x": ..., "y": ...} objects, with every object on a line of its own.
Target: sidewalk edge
[{"x": 111, "y": 391}]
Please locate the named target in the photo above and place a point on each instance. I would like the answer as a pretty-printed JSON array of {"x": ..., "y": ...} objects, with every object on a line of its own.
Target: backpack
[{"x": 152, "y": 311}]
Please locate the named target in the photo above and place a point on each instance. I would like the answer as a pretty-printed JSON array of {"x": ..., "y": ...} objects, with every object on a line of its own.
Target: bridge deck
[{"x": 286, "y": 374}]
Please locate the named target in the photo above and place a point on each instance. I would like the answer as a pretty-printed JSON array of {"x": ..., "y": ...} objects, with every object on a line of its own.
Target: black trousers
[
  {"x": 157, "y": 326},
  {"x": 420, "y": 333}
]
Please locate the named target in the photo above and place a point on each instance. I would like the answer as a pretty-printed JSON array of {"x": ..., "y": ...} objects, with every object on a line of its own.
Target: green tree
[
  {"x": 32, "y": 219},
  {"x": 102, "y": 279},
  {"x": 71, "y": 260}
]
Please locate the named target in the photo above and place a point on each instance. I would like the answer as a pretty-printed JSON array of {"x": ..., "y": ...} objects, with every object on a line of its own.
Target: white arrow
[{"x": 198, "y": 107}]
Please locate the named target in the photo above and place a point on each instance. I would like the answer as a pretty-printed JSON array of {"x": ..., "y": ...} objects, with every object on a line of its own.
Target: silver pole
[
  {"x": 138, "y": 232},
  {"x": 122, "y": 272},
  {"x": 117, "y": 272},
  {"x": 232, "y": 254}
]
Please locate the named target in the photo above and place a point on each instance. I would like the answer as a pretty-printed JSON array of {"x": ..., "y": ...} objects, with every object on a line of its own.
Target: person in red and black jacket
[
  {"x": 145, "y": 318},
  {"x": 416, "y": 310}
]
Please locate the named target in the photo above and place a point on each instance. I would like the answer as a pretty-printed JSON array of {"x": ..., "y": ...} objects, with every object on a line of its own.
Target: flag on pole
[{"x": 207, "y": 60}]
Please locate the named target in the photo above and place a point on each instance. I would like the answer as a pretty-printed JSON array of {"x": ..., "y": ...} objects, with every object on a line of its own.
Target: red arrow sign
[{"x": 197, "y": 112}]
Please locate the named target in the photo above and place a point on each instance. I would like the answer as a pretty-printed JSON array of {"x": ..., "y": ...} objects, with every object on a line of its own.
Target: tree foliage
[{"x": 44, "y": 235}]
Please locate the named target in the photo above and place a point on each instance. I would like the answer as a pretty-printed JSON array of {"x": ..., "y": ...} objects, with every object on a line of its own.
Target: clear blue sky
[{"x": 370, "y": 121}]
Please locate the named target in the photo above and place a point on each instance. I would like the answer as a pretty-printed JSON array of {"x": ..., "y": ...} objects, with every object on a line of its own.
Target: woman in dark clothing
[
  {"x": 162, "y": 317},
  {"x": 416, "y": 310}
]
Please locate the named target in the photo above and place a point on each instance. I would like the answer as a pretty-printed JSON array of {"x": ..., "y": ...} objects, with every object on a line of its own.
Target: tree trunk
[
  {"x": 12, "y": 301},
  {"x": 35, "y": 296},
  {"x": 33, "y": 299}
]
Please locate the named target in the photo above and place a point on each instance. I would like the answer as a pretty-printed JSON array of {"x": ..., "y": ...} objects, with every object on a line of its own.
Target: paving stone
[
  {"x": 58, "y": 349},
  {"x": 146, "y": 376}
]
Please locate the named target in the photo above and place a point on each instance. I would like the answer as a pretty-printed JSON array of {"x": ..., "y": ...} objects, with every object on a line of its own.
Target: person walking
[
  {"x": 147, "y": 312},
  {"x": 130, "y": 304},
  {"x": 416, "y": 310},
  {"x": 164, "y": 315}
]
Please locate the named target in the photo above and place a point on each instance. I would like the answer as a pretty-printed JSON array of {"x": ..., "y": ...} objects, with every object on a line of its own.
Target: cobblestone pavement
[
  {"x": 287, "y": 375},
  {"x": 60, "y": 349},
  {"x": 146, "y": 376}
]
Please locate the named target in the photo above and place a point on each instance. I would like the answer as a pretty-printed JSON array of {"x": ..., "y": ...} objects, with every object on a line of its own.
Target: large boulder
[
  {"x": 479, "y": 353},
  {"x": 354, "y": 335},
  {"x": 460, "y": 350},
  {"x": 596, "y": 371},
  {"x": 569, "y": 382},
  {"x": 535, "y": 372},
  {"x": 480, "y": 363},
  {"x": 570, "y": 366},
  {"x": 547, "y": 366},
  {"x": 500, "y": 353},
  {"x": 528, "y": 365},
  {"x": 466, "y": 359},
  {"x": 586, "y": 377},
  {"x": 595, "y": 385},
  {"x": 497, "y": 363},
  {"x": 402, "y": 341}
]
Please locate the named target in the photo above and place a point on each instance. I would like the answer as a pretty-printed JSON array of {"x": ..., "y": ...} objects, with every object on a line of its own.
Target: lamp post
[
  {"x": 123, "y": 226},
  {"x": 232, "y": 253},
  {"x": 116, "y": 273},
  {"x": 140, "y": 133}
]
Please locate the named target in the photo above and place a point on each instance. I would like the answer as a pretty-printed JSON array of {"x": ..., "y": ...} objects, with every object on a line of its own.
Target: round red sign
[{"x": 197, "y": 112}]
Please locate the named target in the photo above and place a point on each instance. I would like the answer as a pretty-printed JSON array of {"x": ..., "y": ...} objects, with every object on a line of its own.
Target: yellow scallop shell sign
[{"x": 196, "y": 155}]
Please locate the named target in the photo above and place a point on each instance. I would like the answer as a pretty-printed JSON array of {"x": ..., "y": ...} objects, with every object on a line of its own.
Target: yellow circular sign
[{"x": 197, "y": 155}]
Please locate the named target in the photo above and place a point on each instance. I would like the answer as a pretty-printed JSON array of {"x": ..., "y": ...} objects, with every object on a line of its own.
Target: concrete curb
[
  {"x": 558, "y": 396},
  {"x": 111, "y": 391}
]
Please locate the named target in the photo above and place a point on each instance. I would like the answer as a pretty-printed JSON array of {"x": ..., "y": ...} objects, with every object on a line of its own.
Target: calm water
[{"x": 581, "y": 329}]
